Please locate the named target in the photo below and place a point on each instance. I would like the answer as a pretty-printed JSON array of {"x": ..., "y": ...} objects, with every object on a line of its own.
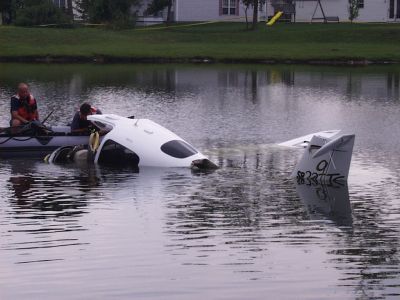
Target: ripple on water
[{"x": 242, "y": 232}]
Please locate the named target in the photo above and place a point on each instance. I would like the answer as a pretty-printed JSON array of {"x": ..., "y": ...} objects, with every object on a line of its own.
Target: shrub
[
  {"x": 116, "y": 13},
  {"x": 40, "y": 12},
  {"x": 353, "y": 9}
]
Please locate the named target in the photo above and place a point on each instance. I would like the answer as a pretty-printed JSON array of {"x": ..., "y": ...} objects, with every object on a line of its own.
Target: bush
[
  {"x": 117, "y": 13},
  {"x": 123, "y": 21},
  {"x": 39, "y": 13},
  {"x": 353, "y": 9}
]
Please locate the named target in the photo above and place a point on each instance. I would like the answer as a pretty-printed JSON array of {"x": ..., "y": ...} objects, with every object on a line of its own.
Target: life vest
[{"x": 27, "y": 108}]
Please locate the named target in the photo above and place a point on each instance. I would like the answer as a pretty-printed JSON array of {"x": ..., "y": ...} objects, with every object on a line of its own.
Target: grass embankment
[{"x": 221, "y": 42}]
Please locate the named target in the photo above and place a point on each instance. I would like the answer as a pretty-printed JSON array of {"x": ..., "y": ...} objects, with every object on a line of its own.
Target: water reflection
[
  {"x": 44, "y": 214},
  {"x": 46, "y": 193},
  {"x": 72, "y": 84},
  {"x": 231, "y": 104},
  {"x": 327, "y": 201},
  {"x": 236, "y": 210},
  {"x": 243, "y": 231}
]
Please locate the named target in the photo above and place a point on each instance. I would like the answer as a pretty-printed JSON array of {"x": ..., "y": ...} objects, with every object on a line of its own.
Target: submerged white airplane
[
  {"x": 326, "y": 158},
  {"x": 144, "y": 143},
  {"x": 136, "y": 143}
]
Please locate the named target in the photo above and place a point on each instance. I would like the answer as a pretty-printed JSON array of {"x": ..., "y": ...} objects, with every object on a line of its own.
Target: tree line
[
  {"x": 38, "y": 12},
  {"x": 120, "y": 13}
]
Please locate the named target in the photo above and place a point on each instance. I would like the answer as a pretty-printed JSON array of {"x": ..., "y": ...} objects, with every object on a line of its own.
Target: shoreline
[
  {"x": 226, "y": 43},
  {"x": 104, "y": 59}
]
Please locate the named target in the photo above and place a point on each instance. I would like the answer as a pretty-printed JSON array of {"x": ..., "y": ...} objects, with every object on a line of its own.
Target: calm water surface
[{"x": 244, "y": 231}]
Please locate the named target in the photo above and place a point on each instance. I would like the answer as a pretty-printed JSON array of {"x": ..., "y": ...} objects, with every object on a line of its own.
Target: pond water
[{"x": 245, "y": 231}]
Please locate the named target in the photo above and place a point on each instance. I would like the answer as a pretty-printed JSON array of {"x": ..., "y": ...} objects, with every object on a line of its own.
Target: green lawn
[{"x": 220, "y": 41}]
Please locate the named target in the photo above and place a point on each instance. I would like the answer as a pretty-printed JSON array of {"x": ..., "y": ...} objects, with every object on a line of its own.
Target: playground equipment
[
  {"x": 274, "y": 18},
  {"x": 287, "y": 9},
  {"x": 324, "y": 17}
]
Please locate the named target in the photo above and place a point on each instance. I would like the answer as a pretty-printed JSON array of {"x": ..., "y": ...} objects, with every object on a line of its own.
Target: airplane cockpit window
[{"x": 178, "y": 149}]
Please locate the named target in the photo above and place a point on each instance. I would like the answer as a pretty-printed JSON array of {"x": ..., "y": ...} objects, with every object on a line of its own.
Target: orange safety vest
[{"x": 27, "y": 108}]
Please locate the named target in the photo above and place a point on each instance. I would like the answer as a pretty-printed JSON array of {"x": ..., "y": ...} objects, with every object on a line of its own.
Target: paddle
[{"x": 48, "y": 116}]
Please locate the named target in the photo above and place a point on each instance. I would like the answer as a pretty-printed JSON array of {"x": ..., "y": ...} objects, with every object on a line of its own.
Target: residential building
[
  {"x": 295, "y": 10},
  {"x": 369, "y": 10},
  {"x": 215, "y": 10},
  {"x": 60, "y": 3},
  {"x": 235, "y": 11},
  {"x": 204, "y": 10},
  {"x": 144, "y": 19},
  {"x": 66, "y": 5}
]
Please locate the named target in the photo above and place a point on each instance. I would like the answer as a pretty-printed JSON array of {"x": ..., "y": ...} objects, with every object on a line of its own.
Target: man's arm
[
  {"x": 15, "y": 115},
  {"x": 36, "y": 113},
  {"x": 75, "y": 124}
]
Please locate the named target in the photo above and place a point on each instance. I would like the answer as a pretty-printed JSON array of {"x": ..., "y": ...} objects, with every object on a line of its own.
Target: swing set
[
  {"x": 284, "y": 6},
  {"x": 324, "y": 17}
]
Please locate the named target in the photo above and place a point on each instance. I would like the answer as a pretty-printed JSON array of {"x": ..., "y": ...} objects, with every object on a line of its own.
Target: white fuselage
[{"x": 153, "y": 144}]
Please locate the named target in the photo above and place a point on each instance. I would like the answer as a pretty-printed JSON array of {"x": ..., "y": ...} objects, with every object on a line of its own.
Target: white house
[
  {"x": 301, "y": 10},
  {"x": 61, "y": 3},
  {"x": 215, "y": 10},
  {"x": 205, "y": 10},
  {"x": 369, "y": 10},
  {"x": 304, "y": 10}
]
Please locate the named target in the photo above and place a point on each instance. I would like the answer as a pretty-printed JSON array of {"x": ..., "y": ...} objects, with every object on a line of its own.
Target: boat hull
[{"x": 37, "y": 146}]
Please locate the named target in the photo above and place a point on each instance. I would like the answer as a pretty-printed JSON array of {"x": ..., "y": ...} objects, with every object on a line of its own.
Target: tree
[
  {"x": 256, "y": 5},
  {"x": 255, "y": 13},
  {"x": 156, "y": 6},
  {"x": 5, "y": 11},
  {"x": 38, "y": 12},
  {"x": 8, "y": 10},
  {"x": 82, "y": 7},
  {"x": 70, "y": 10},
  {"x": 118, "y": 13},
  {"x": 353, "y": 9},
  {"x": 247, "y": 4}
]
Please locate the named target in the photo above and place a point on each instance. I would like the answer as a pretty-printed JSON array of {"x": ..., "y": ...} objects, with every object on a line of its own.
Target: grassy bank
[{"x": 219, "y": 42}]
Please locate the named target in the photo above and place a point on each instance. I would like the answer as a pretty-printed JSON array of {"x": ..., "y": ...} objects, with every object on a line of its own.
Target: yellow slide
[{"x": 275, "y": 18}]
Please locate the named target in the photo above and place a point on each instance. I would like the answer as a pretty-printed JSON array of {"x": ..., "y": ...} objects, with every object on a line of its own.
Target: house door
[{"x": 394, "y": 10}]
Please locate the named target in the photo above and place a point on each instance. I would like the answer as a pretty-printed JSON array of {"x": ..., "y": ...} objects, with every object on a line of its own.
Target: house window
[
  {"x": 60, "y": 3},
  {"x": 398, "y": 10},
  {"x": 229, "y": 7}
]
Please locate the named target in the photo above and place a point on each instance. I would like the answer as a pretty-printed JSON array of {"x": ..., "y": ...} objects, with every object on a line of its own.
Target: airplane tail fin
[{"x": 325, "y": 160}]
